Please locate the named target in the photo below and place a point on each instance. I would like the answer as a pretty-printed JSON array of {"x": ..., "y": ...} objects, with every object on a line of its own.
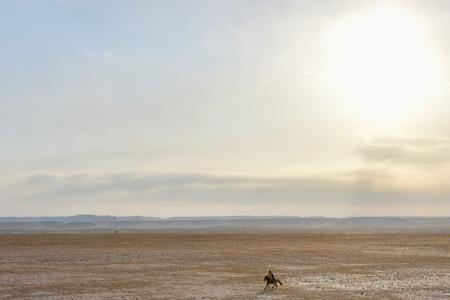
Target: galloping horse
[{"x": 272, "y": 281}]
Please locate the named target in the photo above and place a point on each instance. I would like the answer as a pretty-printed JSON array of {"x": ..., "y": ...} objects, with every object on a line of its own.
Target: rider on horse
[{"x": 270, "y": 279}]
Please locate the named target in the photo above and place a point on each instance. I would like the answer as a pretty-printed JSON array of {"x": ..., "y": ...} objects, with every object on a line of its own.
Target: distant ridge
[
  {"x": 254, "y": 223},
  {"x": 76, "y": 218}
]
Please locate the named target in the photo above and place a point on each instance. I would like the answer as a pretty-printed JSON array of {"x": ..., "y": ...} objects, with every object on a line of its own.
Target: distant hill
[
  {"x": 253, "y": 223},
  {"x": 76, "y": 218}
]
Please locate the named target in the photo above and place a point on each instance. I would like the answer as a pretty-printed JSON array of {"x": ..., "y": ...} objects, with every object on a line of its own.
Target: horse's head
[{"x": 266, "y": 278}]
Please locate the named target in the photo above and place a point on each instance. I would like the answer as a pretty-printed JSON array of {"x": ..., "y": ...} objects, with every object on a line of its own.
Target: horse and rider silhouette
[{"x": 271, "y": 280}]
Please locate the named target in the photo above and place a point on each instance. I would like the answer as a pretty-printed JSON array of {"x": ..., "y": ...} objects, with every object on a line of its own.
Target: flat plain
[{"x": 209, "y": 265}]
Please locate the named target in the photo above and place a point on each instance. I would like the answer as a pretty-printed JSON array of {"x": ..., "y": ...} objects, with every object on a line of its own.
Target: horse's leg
[{"x": 276, "y": 285}]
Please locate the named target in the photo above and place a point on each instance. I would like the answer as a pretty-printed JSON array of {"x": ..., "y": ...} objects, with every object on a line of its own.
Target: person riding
[
  {"x": 271, "y": 276},
  {"x": 270, "y": 279}
]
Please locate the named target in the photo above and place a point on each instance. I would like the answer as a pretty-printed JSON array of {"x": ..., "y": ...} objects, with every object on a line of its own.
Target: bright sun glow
[{"x": 382, "y": 64}]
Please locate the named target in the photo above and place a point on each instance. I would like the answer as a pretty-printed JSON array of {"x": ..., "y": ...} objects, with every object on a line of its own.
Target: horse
[{"x": 272, "y": 281}]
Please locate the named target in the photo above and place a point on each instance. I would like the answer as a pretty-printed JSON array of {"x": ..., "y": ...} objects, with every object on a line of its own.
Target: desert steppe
[{"x": 211, "y": 265}]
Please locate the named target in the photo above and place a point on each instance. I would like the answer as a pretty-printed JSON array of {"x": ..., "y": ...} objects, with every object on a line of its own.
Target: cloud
[
  {"x": 205, "y": 187},
  {"x": 352, "y": 191},
  {"x": 407, "y": 149}
]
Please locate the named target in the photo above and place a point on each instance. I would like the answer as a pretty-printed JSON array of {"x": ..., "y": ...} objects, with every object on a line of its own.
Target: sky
[{"x": 207, "y": 108}]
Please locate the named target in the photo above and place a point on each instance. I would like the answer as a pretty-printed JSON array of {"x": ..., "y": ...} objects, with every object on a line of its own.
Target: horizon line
[{"x": 230, "y": 216}]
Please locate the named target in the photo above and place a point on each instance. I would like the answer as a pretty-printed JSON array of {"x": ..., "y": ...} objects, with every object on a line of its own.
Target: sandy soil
[{"x": 224, "y": 266}]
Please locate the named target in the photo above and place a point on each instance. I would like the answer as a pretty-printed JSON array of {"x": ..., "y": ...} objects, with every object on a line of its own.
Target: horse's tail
[{"x": 279, "y": 282}]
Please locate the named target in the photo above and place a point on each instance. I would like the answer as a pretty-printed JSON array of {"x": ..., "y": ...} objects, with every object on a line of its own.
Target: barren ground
[{"x": 224, "y": 266}]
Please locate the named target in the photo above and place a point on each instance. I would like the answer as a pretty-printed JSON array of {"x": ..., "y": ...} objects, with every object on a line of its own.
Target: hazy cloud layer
[
  {"x": 407, "y": 149},
  {"x": 359, "y": 191}
]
